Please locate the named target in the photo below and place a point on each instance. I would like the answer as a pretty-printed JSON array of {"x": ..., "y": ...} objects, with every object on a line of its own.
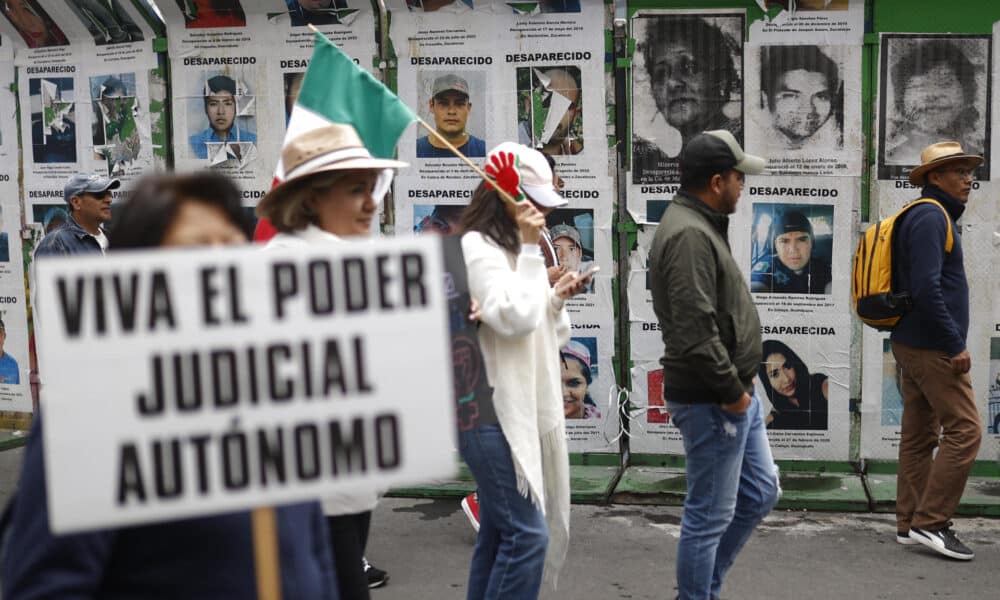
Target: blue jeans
[
  {"x": 513, "y": 537},
  {"x": 732, "y": 483}
]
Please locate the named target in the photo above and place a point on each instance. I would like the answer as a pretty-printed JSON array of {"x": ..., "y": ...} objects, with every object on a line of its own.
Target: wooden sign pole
[{"x": 265, "y": 552}]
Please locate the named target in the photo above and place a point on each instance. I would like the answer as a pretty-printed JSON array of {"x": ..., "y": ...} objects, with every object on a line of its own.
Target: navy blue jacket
[
  {"x": 71, "y": 238},
  {"x": 935, "y": 279},
  {"x": 204, "y": 558}
]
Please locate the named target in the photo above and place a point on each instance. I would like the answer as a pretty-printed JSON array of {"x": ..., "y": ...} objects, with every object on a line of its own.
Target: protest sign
[{"x": 192, "y": 383}]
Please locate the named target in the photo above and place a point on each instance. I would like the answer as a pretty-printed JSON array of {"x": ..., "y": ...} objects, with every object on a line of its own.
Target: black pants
[{"x": 348, "y": 537}]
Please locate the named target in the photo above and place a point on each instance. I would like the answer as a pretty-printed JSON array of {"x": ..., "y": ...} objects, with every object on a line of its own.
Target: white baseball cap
[{"x": 536, "y": 175}]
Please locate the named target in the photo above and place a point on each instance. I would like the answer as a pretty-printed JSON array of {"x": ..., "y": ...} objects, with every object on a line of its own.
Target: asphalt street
[{"x": 628, "y": 552}]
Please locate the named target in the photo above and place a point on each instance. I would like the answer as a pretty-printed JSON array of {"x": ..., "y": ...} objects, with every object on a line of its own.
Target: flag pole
[{"x": 437, "y": 136}]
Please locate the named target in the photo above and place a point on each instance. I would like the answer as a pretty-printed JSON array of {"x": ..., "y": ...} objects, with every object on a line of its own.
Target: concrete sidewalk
[{"x": 628, "y": 552}]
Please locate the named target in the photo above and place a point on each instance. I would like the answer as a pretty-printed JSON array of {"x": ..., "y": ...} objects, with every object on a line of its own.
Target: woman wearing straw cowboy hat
[
  {"x": 520, "y": 464},
  {"x": 330, "y": 194}
]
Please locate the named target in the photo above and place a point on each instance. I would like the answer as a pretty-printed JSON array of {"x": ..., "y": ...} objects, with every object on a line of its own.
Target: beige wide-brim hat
[
  {"x": 938, "y": 155},
  {"x": 335, "y": 147}
]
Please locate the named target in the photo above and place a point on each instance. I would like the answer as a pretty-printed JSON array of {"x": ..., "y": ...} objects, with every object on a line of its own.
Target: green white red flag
[{"x": 335, "y": 89}]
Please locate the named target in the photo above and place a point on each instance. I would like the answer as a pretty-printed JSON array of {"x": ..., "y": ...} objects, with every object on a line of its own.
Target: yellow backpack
[{"x": 874, "y": 283}]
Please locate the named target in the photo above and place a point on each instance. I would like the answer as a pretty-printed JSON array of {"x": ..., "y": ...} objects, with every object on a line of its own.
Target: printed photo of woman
[
  {"x": 575, "y": 358},
  {"x": 799, "y": 399}
]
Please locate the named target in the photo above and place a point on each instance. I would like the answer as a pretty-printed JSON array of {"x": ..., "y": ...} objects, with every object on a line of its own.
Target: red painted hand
[{"x": 503, "y": 169}]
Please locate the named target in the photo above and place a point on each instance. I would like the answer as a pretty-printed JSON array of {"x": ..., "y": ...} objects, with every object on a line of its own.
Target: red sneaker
[{"x": 470, "y": 504}]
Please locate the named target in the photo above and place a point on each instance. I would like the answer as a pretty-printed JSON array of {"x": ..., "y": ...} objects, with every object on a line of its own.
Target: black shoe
[
  {"x": 942, "y": 541},
  {"x": 376, "y": 576}
]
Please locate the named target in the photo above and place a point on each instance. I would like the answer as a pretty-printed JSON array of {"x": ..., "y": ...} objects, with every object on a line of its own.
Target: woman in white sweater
[
  {"x": 330, "y": 195},
  {"x": 521, "y": 463}
]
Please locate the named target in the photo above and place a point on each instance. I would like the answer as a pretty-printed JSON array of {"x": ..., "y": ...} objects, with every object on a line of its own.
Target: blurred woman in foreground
[
  {"x": 200, "y": 558},
  {"x": 330, "y": 195}
]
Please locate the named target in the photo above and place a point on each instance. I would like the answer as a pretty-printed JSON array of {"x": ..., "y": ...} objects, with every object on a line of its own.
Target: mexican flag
[{"x": 337, "y": 90}]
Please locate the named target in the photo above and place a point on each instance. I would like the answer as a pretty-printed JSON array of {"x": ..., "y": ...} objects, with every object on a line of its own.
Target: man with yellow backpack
[{"x": 929, "y": 343}]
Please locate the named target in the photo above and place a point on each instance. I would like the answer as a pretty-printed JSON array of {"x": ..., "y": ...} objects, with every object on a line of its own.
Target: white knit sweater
[{"x": 524, "y": 325}]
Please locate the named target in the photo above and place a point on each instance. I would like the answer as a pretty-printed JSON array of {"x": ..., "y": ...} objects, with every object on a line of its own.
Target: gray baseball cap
[
  {"x": 88, "y": 183},
  {"x": 450, "y": 82},
  {"x": 566, "y": 231}
]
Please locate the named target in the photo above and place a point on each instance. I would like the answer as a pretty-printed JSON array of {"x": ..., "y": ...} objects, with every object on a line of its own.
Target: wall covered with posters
[
  {"x": 534, "y": 75},
  {"x": 838, "y": 96},
  {"x": 237, "y": 67},
  {"x": 787, "y": 86},
  {"x": 938, "y": 83},
  {"x": 14, "y": 359}
]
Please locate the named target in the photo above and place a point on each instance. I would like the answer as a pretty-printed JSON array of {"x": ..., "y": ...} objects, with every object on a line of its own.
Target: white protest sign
[{"x": 191, "y": 382}]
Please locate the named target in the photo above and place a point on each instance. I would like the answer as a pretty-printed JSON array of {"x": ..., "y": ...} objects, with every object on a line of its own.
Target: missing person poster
[
  {"x": 219, "y": 64},
  {"x": 84, "y": 95},
  {"x": 645, "y": 337},
  {"x": 804, "y": 108},
  {"x": 650, "y": 429},
  {"x": 15, "y": 394},
  {"x": 932, "y": 88},
  {"x": 794, "y": 237},
  {"x": 993, "y": 388},
  {"x": 237, "y": 69},
  {"x": 687, "y": 77},
  {"x": 237, "y": 378},
  {"x": 811, "y": 21},
  {"x": 804, "y": 382},
  {"x": 496, "y": 73},
  {"x": 35, "y": 28},
  {"x": 881, "y": 398}
]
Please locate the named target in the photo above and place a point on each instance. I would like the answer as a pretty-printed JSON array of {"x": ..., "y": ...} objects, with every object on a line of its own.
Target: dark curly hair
[{"x": 706, "y": 41}]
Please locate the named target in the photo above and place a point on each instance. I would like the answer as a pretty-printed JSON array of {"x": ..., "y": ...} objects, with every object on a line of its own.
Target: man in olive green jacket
[{"x": 712, "y": 349}]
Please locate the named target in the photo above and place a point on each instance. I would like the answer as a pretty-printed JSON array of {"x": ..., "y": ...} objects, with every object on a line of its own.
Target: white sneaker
[{"x": 903, "y": 537}]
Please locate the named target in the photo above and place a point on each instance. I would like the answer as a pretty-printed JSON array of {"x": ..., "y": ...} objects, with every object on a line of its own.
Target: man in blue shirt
[
  {"x": 929, "y": 343},
  {"x": 89, "y": 198},
  {"x": 220, "y": 108},
  {"x": 450, "y": 106},
  {"x": 10, "y": 373}
]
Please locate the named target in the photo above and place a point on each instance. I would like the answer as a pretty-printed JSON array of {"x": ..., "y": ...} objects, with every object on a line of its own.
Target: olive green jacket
[{"x": 708, "y": 321}]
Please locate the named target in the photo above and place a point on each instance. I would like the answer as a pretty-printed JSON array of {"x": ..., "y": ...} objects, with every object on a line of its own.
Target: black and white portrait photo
[
  {"x": 802, "y": 114},
  {"x": 801, "y": 98},
  {"x": 687, "y": 78},
  {"x": 932, "y": 89}
]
